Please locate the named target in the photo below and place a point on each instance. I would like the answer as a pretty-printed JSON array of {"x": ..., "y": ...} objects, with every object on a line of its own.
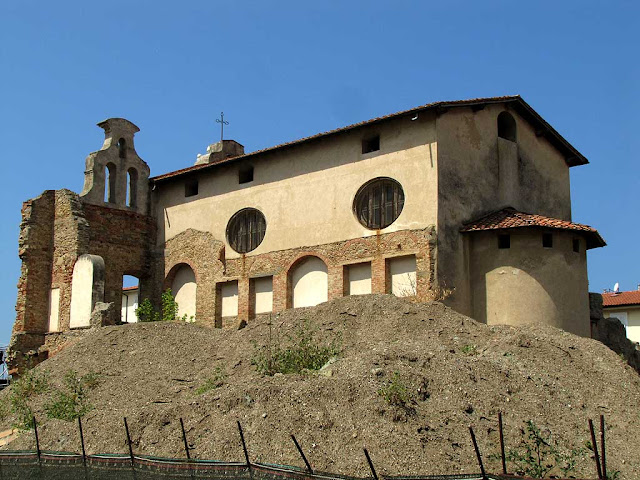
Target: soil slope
[{"x": 459, "y": 373}]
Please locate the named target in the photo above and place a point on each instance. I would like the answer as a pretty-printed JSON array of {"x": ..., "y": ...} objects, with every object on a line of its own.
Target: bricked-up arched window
[
  {"x": 379, "y": 203},
  {"x": 246, "y": 230}
]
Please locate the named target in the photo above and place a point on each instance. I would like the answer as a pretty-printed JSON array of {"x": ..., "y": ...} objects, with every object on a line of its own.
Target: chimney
[{"x": 219, "y": 151}]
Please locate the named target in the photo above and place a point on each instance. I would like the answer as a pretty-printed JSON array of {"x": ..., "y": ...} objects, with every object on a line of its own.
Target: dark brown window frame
[
  {"x": 246, "y": 230},
  {"x": 379, "y": 203}
]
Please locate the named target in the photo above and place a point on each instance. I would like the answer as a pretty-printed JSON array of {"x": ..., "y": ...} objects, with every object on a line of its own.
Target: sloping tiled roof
[
  {"x": 573, "y": 156},
  {"x": 621, "y": 298},
  {"x": 511, "y": 218}
]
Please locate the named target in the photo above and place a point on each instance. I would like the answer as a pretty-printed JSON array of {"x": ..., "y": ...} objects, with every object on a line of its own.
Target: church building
[{"x": 465, "y": 201}]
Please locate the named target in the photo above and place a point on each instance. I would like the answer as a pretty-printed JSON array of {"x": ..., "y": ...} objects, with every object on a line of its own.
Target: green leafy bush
[
  {"x": 18, "y": 402},
  {"x": 70, "y": 402},
  {"x": 146, "y": 313},
  {"x": 396, "y": 392},
  {"x": 539, "y": 455},
  {"x": 302, "y": 351},
  {"x": 215, "y": 381}
]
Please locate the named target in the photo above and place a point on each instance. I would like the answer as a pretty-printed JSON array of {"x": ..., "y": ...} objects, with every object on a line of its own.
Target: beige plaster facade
[{"x": 452, "y": 163}]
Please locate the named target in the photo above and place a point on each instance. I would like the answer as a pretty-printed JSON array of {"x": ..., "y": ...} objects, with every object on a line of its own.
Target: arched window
[
  {"x": 110, "y": 183},
  {"x": 184, "y": 289},
  {"x": 246, "y": 229},
  {"x": 132, "y": 184},
  {"x": 122, "y": 148},
  {"x": 506, "y": 126},
  {"x": 379, "y": 203},
  {"x": 309, "y": 282}
]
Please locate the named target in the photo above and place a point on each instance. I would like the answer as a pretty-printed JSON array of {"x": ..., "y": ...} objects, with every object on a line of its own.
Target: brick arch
[
  {"x": 302, "y": 255},
  {"x": 307, "y": 294},
  {"x": 171, "y": 274}
]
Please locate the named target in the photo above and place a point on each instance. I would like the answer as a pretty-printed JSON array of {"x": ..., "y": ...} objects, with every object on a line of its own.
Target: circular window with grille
[
  {"x": 246, "y": 229},
  {"x": 379, "y": 203}
]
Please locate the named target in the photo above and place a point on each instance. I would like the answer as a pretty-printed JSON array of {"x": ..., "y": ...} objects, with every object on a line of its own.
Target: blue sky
[{"x": 283, "y": 70}]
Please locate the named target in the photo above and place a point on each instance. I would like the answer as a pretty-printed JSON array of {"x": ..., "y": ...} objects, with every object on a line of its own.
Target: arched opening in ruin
[
  {"x": 110, "y": 183},
  {"x": 130, "y": 298},
  {"x": 507, "y": 126},
  {"x": 132, "y": 184},
  {"x": 87, "y": 288},
  {"x": 122, "y": 148},
  {"x": 309, "y": 282},
  {"x": 184, "y": 287}
]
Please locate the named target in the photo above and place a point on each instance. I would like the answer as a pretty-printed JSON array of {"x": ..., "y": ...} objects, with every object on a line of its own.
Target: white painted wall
[
  {"x": 54, "y": 310},
  {"x": 263, "y": 294},
  {"x": 359, "y": 278},
  {"x": 310, "y": 281},
  {"x": 82, "y": 285},
  {"x": 129, "y": 306},
  {"x": 402, "y": 271},
  {"x": 229, "y": 298},
  {"x": 184, "y": 289}
]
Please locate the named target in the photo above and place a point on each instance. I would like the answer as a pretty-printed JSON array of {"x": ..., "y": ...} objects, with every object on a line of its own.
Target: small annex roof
[
  {"x": 511, "y": 218},
  {"x": 572, "y": 156},
  {"x": 613, "y": 299}
]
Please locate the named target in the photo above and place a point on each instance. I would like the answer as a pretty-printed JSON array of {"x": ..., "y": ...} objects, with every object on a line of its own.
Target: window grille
[
  {"x": 379, "y": 203},
  {"x": 246, "y": 230}
]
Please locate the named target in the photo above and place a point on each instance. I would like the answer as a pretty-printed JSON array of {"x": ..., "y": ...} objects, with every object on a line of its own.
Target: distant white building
[
  {"x": 625, "y": 306},
  {"x": 129, "y": 304}
]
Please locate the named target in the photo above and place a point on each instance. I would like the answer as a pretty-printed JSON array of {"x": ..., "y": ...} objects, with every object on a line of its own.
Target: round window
[
  {"x": 379, "y": 203},
  {"x": 246, "y": 230}
]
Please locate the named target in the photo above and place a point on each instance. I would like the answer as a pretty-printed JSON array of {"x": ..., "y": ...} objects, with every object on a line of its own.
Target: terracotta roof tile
[
  {"x": 511, "y": 218},
  {"x": 621, "y": 298},
  {"x": 574, "y": 157}
]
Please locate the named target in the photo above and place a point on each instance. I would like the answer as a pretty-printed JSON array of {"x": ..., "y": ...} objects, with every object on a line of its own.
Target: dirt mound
[{"x": 457, "y": 373}]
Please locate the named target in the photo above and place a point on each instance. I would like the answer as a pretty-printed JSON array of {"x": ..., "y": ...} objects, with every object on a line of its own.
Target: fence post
[
  {"x": 475, "y": 446},
  {"x": 603, "y": 448},
  {"x": 596, "y": 455},
  {"x": 35, "y": 431},
  {"x": 126, "y": 429},
  {"x": 84, "y": 453},
  {"x": 309, "y": 469},
  {"x": 504, "y": 460},
  {"x": 246, "y": 452},
  {"x": 184, "y": 440},
  {"x": 373, "y": 470}
]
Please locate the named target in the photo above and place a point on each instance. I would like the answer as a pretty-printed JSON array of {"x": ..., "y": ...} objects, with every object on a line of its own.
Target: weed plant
[
  {"x": 70, "y": 402},
  {"x": 21, "y": 393},
  {"x": 213, "y": 382},
  {"x": 301, "y": 351}
]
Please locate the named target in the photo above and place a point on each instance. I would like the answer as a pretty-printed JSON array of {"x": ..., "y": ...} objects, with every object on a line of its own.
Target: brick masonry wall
[
  {"x": 206, "y": 257},
  {"x": 57, "y": 227}
]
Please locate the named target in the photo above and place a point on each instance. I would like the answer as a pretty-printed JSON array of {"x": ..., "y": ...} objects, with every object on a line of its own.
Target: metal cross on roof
[{"x": 222, "y": 123}]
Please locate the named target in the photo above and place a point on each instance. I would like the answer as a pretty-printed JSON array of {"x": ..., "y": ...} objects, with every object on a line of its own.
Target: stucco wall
[
  {"x": 474, "y": 179},
  {"x": 306, "y": 192},
  {"x": 528, "y": 283}
]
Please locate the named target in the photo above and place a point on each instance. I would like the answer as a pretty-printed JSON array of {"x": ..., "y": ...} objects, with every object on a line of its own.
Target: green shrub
[
  {"x": 469, "y": 349},
  {"x": 70, "y": 402},
  {"x": 538, "y": 454},
  {"x": 146, "y": 313},
  {"x": 21, "y": 392},
  {"x": 302, "y": 351},
  {"x": 396, "y": 392},
  {"x": 215, "y": 381}
]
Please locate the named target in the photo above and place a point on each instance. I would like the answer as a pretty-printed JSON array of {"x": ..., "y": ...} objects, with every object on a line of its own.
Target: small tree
[{"x": 146, "y": 313}]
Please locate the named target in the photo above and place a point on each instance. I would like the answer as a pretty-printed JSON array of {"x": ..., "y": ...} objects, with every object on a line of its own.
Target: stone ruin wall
[{"x": 57, "y": 227}]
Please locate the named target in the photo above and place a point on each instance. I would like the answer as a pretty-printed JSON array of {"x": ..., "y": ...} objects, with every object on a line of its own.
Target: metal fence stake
[
  {"x": 475, "y": 446},
  {"x": 246, "y": 452},
  {"x": 373, "y": 470},
  {"x": 504, "y": 459},
  {"x": 84, "y": 453},
  {"x": 603, "y": 448},
  {"x": 184, "y": 439},
  {"x": 596, "y": 455},
  {"x": 126, "y": 428},
  {"x": 309, "y": 469},
  {"x": 35, "y": 431}
]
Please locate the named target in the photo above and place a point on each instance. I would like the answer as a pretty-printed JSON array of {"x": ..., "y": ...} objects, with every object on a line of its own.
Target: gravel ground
[{"x": 457, "y": 371}]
